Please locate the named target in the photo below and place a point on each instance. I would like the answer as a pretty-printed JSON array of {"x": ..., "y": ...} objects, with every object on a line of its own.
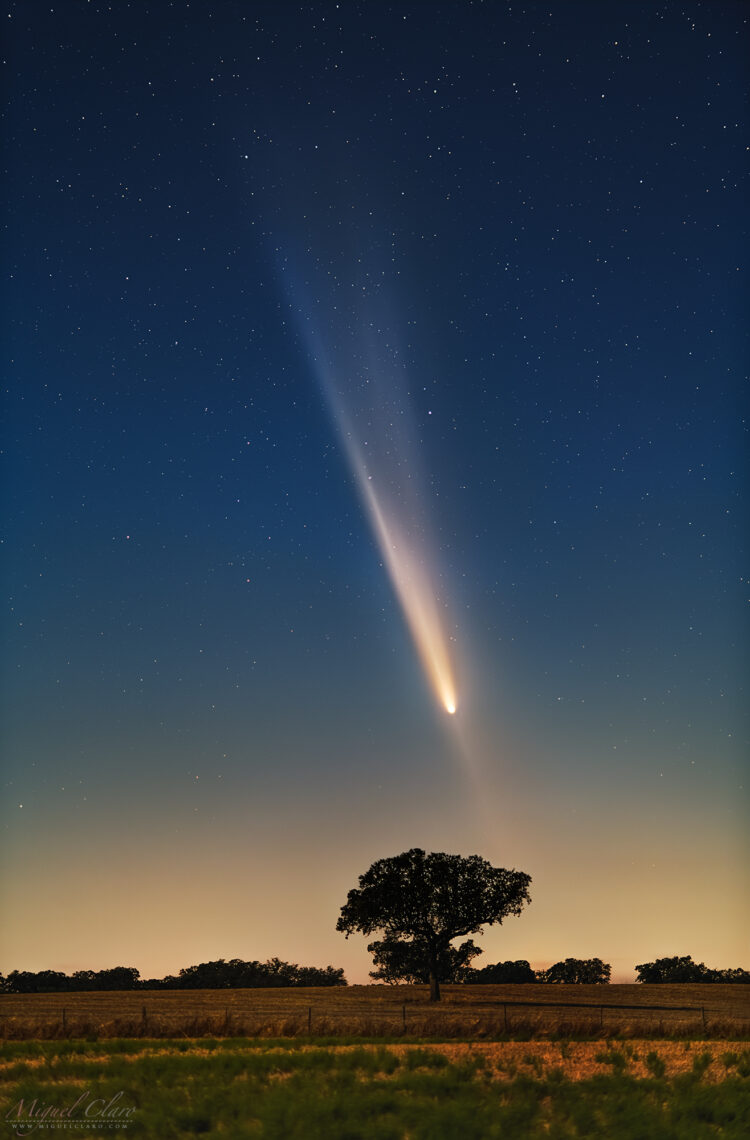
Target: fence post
[
  {"x": 403, "y": 1014},
  {"x": 601, "y": 1015},
  {"x": 63, "y": 1017},
  {"x": 703, "y": 1015},
  {"x": 505, "y": 1016},
  {"x": 144, "y": 1019},
  {"x": 309, "y": 1019}
]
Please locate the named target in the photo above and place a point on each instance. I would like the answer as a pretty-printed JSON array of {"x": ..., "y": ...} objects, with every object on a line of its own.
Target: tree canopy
[
  {"x": 675, "y": 970},
  {"x": 503, "y": 973},
  {"x": 399, "y": 961},
  {"x": 421, "y": 903},
  {"x": 578, "y": 971}
]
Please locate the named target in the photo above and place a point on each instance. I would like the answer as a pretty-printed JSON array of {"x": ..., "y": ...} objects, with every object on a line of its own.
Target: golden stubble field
[{"x": 465, "y": 1011}]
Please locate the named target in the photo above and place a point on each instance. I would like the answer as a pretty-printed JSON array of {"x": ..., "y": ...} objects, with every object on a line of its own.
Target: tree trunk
[{"x": 434, "y": 985}]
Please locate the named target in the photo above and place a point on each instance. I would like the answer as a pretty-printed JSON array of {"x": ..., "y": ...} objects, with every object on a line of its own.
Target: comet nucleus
[{"x": 359, "y": 366}]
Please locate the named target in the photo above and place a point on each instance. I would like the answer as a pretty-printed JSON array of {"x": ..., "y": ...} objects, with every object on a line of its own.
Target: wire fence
[{"x": 298, "y": 1015}]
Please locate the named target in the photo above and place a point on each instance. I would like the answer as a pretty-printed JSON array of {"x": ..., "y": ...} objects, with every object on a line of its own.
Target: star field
[{"x": 510, "y": 240}]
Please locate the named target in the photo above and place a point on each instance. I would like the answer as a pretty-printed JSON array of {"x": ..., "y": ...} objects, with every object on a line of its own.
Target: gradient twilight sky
[{"x": 269, "y": 263}]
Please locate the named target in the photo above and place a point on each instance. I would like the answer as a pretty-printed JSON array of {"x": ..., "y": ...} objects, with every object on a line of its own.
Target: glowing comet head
[
  {"x": 382, "y": 466},
  {"x": 406, "y": 560}
]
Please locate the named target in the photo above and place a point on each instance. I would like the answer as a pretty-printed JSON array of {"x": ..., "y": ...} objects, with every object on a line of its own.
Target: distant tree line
[
  {"x": 236, "y": 974},
  {"x": 219, "y": 975},
  {"x": 584, "y": 971},
  {"x": 686, "y": 970},
  {"x": 53, "y": 981},
  {"x": 592, "y": 971}
]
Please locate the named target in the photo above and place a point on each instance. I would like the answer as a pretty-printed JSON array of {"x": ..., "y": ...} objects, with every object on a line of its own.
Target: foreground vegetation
[
  {"x": 288, "y": 1090},
  {"x": 525, "y": 1061}
]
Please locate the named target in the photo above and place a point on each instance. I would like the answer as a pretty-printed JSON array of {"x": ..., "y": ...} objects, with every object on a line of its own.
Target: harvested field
[{"x": 466, "y": 1011}]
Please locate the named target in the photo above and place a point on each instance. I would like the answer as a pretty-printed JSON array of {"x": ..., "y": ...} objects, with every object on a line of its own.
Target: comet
[
  {"x": 355, "y": 353},
  {"x": 412, "y": 583}
]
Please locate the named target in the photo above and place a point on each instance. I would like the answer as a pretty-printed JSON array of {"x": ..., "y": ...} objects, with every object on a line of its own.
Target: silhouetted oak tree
[{"x": 421, "y": 903}]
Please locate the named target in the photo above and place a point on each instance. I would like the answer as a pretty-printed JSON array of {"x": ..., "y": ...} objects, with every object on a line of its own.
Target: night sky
[{"x": 272, "y": 272}]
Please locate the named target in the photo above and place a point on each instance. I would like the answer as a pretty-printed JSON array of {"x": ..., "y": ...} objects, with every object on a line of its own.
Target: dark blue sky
[{"x": 537, "y": 215}]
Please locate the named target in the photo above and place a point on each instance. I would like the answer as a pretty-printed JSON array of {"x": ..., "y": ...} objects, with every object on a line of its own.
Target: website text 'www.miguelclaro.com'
[{"x": 87, "y": 1111}]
